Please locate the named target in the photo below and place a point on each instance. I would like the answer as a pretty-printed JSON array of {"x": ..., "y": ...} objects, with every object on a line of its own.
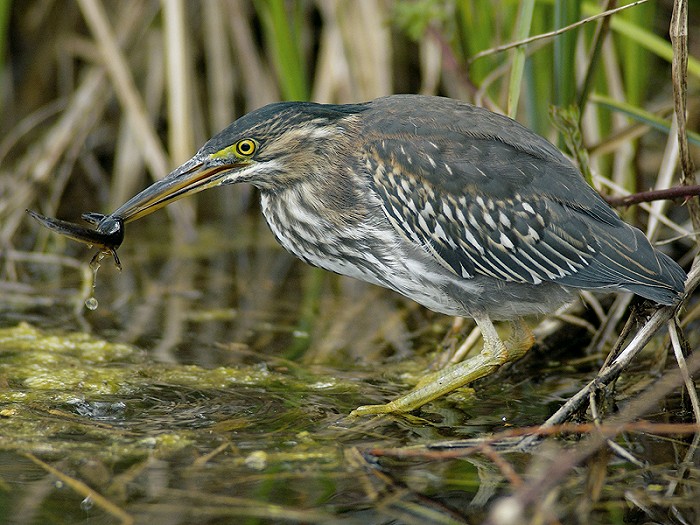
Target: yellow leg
[{"x": 493, "y": 355}]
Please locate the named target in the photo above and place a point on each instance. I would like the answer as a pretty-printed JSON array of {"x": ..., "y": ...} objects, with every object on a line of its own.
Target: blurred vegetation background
[{"x": 99, "y": 98}]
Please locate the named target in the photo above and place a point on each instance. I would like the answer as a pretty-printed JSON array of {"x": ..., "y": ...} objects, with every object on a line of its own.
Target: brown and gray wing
[{"x": 484, "y": 207}]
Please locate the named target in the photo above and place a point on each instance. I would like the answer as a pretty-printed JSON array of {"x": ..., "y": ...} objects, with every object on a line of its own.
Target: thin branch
[
  {"x": 677, "y": 192},
  {"x": 550, "y": 34},
  {"x": 467, "y": 447},
  {"x": 537, "y": 489},
  {"x": 612, "y": 371}
]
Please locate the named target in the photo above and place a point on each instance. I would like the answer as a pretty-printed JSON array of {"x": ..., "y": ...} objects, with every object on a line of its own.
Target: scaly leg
[{"x": 493, "y": 355}]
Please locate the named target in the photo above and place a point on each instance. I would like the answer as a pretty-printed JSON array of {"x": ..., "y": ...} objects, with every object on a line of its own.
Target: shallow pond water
[{"x": 213, "y": 384}]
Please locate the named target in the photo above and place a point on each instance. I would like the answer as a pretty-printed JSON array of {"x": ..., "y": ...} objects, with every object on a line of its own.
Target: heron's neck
[{"x": 318, "y": 203}]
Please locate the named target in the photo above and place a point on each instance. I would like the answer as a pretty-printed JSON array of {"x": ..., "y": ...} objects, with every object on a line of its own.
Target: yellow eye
[
  {"x": 242, "y": 150},
  {"x": 245, "y": 147}
]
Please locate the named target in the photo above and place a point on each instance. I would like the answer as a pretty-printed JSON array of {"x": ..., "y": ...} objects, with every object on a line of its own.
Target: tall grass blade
[
  {"x": 565, "y": 12},
  {"x": 646, "y": 39},
  {"x": 522, "y": 31},
  {"x": 642, "y": 116},
  {"x": 282, "y": 36}
]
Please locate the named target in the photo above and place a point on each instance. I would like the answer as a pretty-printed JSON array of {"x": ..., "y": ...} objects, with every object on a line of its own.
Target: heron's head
[{"x": 272, "y": 148}]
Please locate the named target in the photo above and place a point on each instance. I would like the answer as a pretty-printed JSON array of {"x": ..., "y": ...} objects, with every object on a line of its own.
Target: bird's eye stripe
[{"x": 242, "y": 148}]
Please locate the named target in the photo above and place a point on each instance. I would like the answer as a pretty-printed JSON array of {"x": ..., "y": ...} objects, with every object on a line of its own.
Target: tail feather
[{"x": 627, "y": 261}]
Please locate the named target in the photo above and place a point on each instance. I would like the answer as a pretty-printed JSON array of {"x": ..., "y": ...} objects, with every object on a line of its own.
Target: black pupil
[{"x": 244, "y": 147}]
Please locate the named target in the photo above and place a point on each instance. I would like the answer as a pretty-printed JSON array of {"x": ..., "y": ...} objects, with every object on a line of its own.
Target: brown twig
[
  {"x": 503, "y": 465},
  {"x": 677, "y": 192},
  {"x": 552, "y": 476},
  {"x": 464, "y": 448}
]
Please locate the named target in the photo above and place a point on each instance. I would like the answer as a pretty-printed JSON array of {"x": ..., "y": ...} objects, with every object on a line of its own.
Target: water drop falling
[
  {"x": 91, "y": 303},
  {"x": 87, "y": 504}
]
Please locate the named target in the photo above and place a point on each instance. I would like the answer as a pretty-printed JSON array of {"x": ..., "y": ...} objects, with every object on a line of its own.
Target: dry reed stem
[
  {"x": 115, "y": 63},
  {"x": 678, "y": 32}
]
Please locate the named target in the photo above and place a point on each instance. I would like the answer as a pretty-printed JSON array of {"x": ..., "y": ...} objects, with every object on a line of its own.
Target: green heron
[{"x": 460, "y": 209}]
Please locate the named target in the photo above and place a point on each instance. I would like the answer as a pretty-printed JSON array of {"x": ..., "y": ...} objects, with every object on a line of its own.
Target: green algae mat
[{"x": 96, "y": 432}]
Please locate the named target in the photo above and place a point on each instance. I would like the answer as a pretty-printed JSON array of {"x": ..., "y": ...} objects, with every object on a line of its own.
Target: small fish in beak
[
  {"x": 193, "y": 176},
  {"x": 107, "y": 237}
]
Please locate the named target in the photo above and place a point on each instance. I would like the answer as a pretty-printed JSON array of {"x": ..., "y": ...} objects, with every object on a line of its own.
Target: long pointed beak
[{"x": 195, "y": 175}]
